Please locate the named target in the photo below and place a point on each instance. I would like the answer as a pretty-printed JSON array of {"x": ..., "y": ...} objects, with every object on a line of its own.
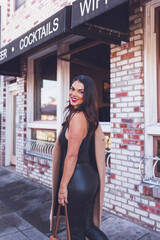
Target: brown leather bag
[{"x": 53, "y": 236}]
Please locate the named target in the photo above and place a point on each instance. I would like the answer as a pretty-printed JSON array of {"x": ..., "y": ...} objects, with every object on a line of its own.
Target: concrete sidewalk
[{"x": 25, "y": 207}]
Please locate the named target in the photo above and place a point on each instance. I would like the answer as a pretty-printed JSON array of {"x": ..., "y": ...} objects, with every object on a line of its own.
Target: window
[
  {"x": 157, "y": 153},
  {"x": 44, "y": 135},
  {"x": 19, "y": 3},
  {"x": 158, "y": 59},
  {"x": 46, "y": 89}
]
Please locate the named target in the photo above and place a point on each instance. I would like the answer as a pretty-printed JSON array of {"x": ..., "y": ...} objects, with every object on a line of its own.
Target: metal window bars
[
  {"x": 39, "y": 148},
  {"x": 148, "y": 169},
  {"x": 44, "y": 149},
  {"x": 108, "y": 160}
]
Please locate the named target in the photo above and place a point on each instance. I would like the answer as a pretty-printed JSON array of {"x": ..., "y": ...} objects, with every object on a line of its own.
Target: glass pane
[
  {"x": 157, "y": 174},
  {"x": 46, "y": 89},
  {"x": 48, "y": 107},
  {"x": 19, "y": 3},
  {"x": 44, "y": 135},
  {"x": 158, "y": 60}
]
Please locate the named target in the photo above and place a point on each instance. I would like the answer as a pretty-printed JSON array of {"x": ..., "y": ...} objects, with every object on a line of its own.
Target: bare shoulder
[
  {"x": 78, "y": 123},
  {"x": 78, "y": 117}
]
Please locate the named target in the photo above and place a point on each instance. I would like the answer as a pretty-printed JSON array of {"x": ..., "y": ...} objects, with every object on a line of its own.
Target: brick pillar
[
  {"x": 127, "y": 119},
  {"x": 2, "y": 119},
  {"x": 21, "y": 116}
]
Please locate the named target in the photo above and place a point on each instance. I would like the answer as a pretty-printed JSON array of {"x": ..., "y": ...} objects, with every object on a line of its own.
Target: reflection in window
[
  {"x": 157, "y": 153},
  {"x": 48, "y": 102},
  {"x": 44, "y": 135},
  {"x": 108, "y": 148},
  {"x": 46, "y": 89},
  {"x": 19, "y": 3}
]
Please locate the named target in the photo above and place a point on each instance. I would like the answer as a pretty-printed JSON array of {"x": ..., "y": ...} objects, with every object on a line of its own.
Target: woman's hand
[{"x": 62, "y": 196}]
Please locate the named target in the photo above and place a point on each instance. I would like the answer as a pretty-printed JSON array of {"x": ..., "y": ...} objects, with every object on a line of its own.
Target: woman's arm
[{"x": 76, "y": 133}]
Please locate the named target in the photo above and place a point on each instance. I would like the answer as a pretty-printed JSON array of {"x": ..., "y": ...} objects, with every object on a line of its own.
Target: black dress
[{"x": 82, "y": 190}]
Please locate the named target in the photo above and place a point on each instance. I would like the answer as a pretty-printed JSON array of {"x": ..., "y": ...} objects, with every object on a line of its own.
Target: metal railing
[
  {"x": 39, "y": 148},
  {"x": 108, "y": 161},
  {"x": 148, "y": 170},
  {"x": 44, "y": 149}
]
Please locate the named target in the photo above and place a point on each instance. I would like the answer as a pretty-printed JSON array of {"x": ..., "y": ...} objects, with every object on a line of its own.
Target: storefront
[
  {"x": 116, "y": 43},
  {"x": 73, "y": 41}
]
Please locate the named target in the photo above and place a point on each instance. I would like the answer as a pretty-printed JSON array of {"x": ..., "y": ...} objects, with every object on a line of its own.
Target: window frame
[
  {"x": 151, "y": 124},
  {"x": 157, "y": 12},
  {"x": 63, "y": 83}
]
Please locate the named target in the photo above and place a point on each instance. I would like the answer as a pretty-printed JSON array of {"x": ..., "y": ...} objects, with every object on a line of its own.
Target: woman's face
[{"x": 76, "y": 94}]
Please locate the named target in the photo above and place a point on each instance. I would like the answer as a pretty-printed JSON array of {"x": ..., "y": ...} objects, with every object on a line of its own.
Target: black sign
[
  {"x": 84, "y": 10},
  {"x": 50, "y": 28}
]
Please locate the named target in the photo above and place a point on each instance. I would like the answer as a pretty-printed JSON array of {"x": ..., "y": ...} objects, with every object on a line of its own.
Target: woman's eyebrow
[{"x": 77, "y": 88}]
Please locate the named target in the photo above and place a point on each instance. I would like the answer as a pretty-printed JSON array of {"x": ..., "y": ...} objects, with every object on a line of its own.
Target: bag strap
[{"x": 57, "y": 221}]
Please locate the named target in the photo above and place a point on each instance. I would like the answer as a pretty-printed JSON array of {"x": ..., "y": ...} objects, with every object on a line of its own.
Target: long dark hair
[{"x": 88, "y": 107}]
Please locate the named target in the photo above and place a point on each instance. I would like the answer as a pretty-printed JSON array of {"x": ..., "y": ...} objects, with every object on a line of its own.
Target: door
[{"x": 13, "y": 128}]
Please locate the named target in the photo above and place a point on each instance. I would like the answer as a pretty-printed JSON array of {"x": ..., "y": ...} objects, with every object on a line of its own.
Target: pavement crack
[{"x": 143, "y": 236}]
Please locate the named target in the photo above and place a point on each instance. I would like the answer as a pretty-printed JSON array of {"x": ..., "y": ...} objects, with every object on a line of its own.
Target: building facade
[{"x": 44, "y": 45}]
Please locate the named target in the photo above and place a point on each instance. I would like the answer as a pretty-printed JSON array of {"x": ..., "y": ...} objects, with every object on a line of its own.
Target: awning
[
  {"x": 51, "y": 28},
  {"x": 104, "y": 20},
  {"x": 98, "y": 20}
]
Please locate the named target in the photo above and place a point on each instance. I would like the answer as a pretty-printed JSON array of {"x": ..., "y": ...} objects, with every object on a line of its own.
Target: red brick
[
  {"x": 123, "y": 125},
  {"x": 128, "y": 55},
  {"x": 118, "y": 135},
  {"x": 33, "y": 2},
  {"x": 127, "y": 45},
  {"x": 27, "y": 16},
  {"x": 113, "y": 176},
  {"x": 135, "y": 137},
  {"x": 139, "y": 131},
  {"x": 145, "y": 190},
  {"x": 64, "y": 4},
  {"x": 150, "y": 192},
  {"x": 151, "y": 210},
  {"x": 113, "y": 55},
  {"x": 139, "y": 143},
  {"x": 123, "y": 146},
  {"x": 125, "y": 141},
  {"x": 131, "y": 131},
  {"x": 136, "y": 109},
  {"x": 123, "y": 94},
  {"x": 157, "y": 205},
  {"x": 36, "y": 22},
  {"x": 127, "y": 120}
]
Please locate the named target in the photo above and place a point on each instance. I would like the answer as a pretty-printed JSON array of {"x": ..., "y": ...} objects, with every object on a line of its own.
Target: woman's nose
[{"x": 74, "y": 93}]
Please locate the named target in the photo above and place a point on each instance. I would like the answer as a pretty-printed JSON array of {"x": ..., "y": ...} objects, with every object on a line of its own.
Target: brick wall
[
  {"x": 33, "y": 12},
  {"x": 38, "y": 169},
  {"x": 124, "y": 195},
  {"x": 21, "y": 113}
]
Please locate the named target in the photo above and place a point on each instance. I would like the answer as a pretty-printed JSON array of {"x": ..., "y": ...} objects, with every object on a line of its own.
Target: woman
[{"x": 79, "y": 162}]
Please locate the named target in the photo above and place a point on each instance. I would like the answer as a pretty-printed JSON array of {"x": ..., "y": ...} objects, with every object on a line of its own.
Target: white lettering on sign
[
  {"x": 40, "y": 33},
  {"x": 3, "y": 54},
  {"x": 89, "y": 5}
]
